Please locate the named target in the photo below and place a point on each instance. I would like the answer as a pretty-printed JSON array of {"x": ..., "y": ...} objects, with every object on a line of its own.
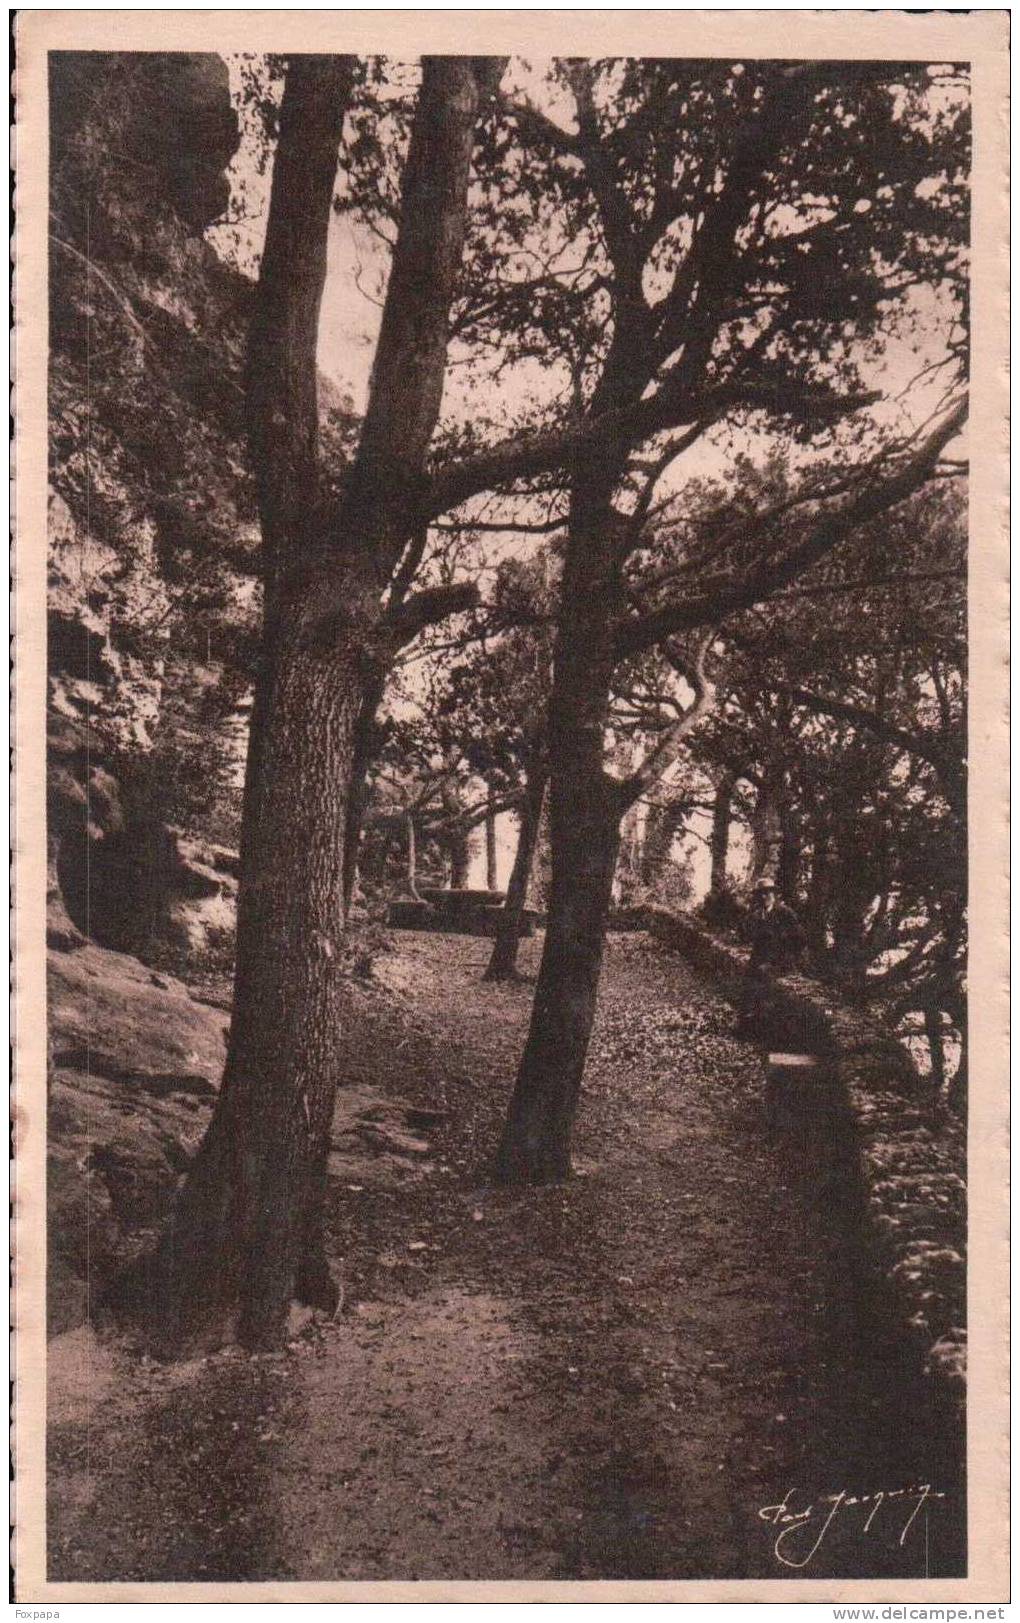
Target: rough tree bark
[
  {"x": 503, "y": 962},
  {"x": 246, "y": 1233}
]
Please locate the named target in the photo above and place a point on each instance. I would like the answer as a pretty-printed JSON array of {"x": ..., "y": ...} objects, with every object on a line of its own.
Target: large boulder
[
  {"x": 178, "y": 119},
  {"x": 135, "y": 1063},
  {"x": 154, "y": 892}
]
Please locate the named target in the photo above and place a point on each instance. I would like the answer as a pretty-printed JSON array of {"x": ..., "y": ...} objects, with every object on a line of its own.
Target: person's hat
[{"x": 763, "y": 885}]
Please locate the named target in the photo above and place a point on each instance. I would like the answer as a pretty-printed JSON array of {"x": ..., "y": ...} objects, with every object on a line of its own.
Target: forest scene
[{"x": 506, "y": 817}]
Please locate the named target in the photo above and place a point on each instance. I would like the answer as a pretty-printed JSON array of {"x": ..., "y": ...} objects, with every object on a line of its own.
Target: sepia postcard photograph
[{"x": 510, "y": 806}]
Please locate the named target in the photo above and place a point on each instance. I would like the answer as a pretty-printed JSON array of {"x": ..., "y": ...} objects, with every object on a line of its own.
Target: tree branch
[
  {"x": 721, "y": 597},
  {"x": 408, "y": 373},
  {"x": 430, "y": 605},
  {"x": 525, "y": 455},
  {"x": 532, "y": 122},
  {"x": 661, "y": 757},
  {"x": 948, "y": 764}
]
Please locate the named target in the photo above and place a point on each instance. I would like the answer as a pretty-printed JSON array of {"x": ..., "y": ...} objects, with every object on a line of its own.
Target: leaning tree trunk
[
  {"x": 585, "y": 812},
  {"x": 503, "y": 963},
  {"x": 535, "y": 1147},
  {"x": 587, "y": 806}
]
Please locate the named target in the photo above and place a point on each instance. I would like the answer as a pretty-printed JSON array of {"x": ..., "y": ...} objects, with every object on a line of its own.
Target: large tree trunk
[
  {"x": 503, "y": 963},
  {"x": 247, "y": 1229}
]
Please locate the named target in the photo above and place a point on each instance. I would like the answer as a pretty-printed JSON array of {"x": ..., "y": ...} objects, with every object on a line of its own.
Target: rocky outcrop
[
  {"x": 152, "y": 529},
  {"x": 182, "y": 127},
  {"x": 135, "y": 1063},
  {"x": 134, "y": 1066}
]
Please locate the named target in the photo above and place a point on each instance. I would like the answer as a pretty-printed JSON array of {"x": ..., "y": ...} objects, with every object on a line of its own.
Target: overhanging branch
[
  {"x": 661, "y": 757},
  {"x": 429, "y": 606},
  {"x": 722, "y": 597}
]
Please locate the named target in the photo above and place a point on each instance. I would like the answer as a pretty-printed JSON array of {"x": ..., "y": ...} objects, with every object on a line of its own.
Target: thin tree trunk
[
  {"x": 789, "y": 854},
  {"x": 503, "y": 963},
  {"x": 458, "y": 838},
  {"x": 664, "y": 823},
  {"x": 535, "y": 1146},
  {"x": 764, "y": 832},
  {"x": 936, "y": 1050},
  {"x": 958, "y": 1087},
  {"x": 719, "y": 839},
  {"x": 459, "y": 847},
  {"x": 540, "y": 883},
  {"x": 585, "y": 812},
  {"x": 816, "y": 909},
  {"x": 491, "y": 876},
  {"x": 628, "y": 878},
  {"x": 412, "y": 859}
]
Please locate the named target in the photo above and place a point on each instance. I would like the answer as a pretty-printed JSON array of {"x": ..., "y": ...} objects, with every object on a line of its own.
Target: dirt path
[{"x": 610, "y": 1379}]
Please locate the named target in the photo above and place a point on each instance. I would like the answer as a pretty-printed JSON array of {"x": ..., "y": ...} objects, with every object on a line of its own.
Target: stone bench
[
  {"x": 801, "y": 1090},
  {"x": 456, "y": 912}
]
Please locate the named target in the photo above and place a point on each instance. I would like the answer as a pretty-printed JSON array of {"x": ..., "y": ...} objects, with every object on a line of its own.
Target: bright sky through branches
[{"x": 907, "y": 371}]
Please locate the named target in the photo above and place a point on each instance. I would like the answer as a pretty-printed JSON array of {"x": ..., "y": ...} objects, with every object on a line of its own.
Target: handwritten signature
[{"x": 801, "y": 1533}]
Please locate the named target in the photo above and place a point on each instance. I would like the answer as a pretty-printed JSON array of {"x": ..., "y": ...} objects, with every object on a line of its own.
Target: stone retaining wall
[{"x": 908, "y": 1169}]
